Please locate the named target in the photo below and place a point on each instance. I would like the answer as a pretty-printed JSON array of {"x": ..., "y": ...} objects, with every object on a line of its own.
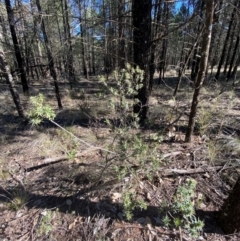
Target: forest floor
[{"x": 53, "y": 187}]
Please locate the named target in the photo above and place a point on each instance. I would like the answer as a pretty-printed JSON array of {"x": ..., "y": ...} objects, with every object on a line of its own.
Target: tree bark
[
  {"x": 50, "y": 57},
  {"x": 197, "y": 50},
  {"x": 68, "y": 41},
  {"x": 229, "y": 52},
  {"x": 202, "y": 67},
  {"x": 163, "y": 55},
  {"x": 121, "y": 35},
  {"x": 233, "y": 58},
  {"x": 9, "y": 79},
  {"x": 234, "y": 72},
  {"x": 141, "y": 14},
  {"x": 83, "y": 34},
  {"x": 17, "y": 47},
  {"x": 226, "y": 41},
  {"x": 229, "y": 215}
]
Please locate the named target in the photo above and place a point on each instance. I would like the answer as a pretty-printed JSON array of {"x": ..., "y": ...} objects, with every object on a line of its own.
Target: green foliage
[
  {"x": 45, "y": 223},
  {"x": 183, "y": 199},
  {"x": 135, "y": 154},
  {"x": 166, "y": 221},
  {"x": 130, "y": 203},
  {"x": 72, "y": 154},
  {"x": 182, "y": 210},
  {"x": 134, "y": 151},
  {"x": 40, "y": 110},
  {"x": 127, "y": 83}
]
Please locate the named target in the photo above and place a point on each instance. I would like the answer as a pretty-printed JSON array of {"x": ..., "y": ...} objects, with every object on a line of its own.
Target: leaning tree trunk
[
  {"x": 50, "y": 57},
  {"x": 202, "y": 67},
  {"x": 229, "y": 215},
  {"x": 16, "y": 47},
  {"x": 141, "y": 13}
]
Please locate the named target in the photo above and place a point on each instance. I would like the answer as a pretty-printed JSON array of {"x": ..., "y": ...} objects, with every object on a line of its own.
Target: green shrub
[{"x": 182, "y": 210}]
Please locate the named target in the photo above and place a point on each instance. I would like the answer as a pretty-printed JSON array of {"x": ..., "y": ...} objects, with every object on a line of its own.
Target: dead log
[{"x": 54, "y": 160}]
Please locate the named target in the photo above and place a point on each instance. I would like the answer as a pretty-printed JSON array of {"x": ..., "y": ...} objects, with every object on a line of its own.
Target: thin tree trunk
[
  {"x": 226, "y": 41},
  {"x": 207, "y": 33},
  {"x": 234, "y": 73},
  {"x": 229, "y": 52},
  {"x": 50, "y": 57},
  {"x": 121, "y": 35},
  {"x": 93, "y": 52},
  {"x": 70, "y": 68},
  {"x": 9, "y": 79},
  {"x": 233, "y": 58},
  {"x": 185, "y": 65},
  {"x": 83, "y": 34},
  {"x": 16, "y": 47},
  {"x": 197, "y": 51},
  {"x": 106, "y": 54}
]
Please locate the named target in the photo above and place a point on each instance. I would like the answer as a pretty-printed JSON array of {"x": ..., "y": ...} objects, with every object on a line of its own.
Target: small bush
[{"x": 182, "y": 210}]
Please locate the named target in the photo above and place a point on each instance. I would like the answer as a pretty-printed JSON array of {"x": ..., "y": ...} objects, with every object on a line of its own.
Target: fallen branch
[
  {"x": 54, "y": 160},
  {"x": 171, "y": 154},
  {"x": 172, "y": 172}
]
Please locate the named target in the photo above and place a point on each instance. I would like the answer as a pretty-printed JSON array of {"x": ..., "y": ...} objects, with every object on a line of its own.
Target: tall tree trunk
[
  {"x": 229, "y": 52},
  {"x": 62, "y": 56},
  {"x": 16, "y": 47},
  {"x": 226, "y": 41},
  {"x": 121, "y": 35},
  {"x": 216, "y": 38},
  {"x": 141, "y": 14},
  {"x": 50, "y": 57},
  {"x": 233, "y": 57},
  {"x": 207, "y": 33},
  {"x": 234, "y": 73},
  {"x": 68, "y": 41},
  {"x": 229, "y": 215},
  {"x": 155, "y": 50},
  {"x": 164, "y": 44},
  {"x": 107, "y": 66},
  {"x": 198, "y": 50},
  {"x": 93, "y": 52},
  {"x": 83, "y": 34}
]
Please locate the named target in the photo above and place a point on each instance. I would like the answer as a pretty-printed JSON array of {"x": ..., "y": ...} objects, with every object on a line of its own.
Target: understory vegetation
[{"x": 95, "y": 173}]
